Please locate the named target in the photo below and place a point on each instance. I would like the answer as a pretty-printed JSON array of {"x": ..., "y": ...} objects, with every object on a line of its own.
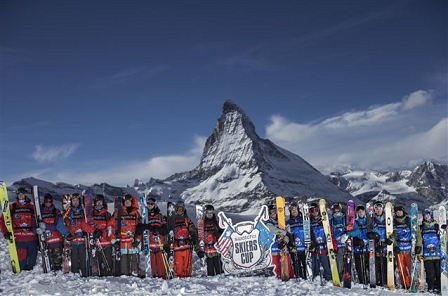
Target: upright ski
[
  {"x": 329, "y": 239},
  {"x": 93, "y": 266},
  {"x": 200, "y": 222},
  {"x": 280, "y": 205},
  {"x": 443, "y": 251},
  {"x": 390, "y": 249},
  {"x": 413, "y": 214},
  {"x": 371, "y": 246},
  {"x": 6, "y": 214},
  {"x": 145, "y": 256},
  {"x": 304, "y": 207},
  {"x": 41, "y": 231},
  {"x": 348, "y": 252},
  {"x": 117, "y": 250},
  {"x": 66, "y": 202}
]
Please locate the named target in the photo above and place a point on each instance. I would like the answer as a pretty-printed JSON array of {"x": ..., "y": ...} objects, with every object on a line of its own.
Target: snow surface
[{"x": 35, "y": 282}]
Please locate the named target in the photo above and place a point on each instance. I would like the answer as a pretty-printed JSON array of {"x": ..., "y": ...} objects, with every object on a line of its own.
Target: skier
[
  {"x": 158, "y": 229},
  {"x": 360, "y": 242},
  {"x": 379, "y": 235},
  {"x": 185, "y": 240},
  {"x": 281, "y": 241},
  {"x": 428, "y": 249},
  {"x": 297, "y": 251},
  {"x": 318, "y": 246},
  {"x": 102, "y": 234},
  {"x": 128, "y": 241},
  {"x": 75, "y": 223},
  {"x": 337, "y": 223},
  {"x": 24, "y": 226},
  {"x": 402, "y": 245},
  {"x": 55, "y": 231},
  {"x": 212, "y": 232}
]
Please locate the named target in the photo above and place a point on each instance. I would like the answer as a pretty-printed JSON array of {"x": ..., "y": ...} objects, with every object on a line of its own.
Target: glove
[
  {"x": 135, "y": 243},
  {"x": 313, "y": 246},
  {"x": 139, "y": 229},
  {"x": 358, "y": 242},
  {"x": 39, "y": 231},
  {"x": 152, "y": 228},
  {"x": 418, "y": 249},
  {"x": 443, "y": 226},
  {"x": 7, "y": 235},
  {"x": 167, "y": 249},
  {"x": 201, "y": 254},
  {"x": 389, "y": 241},
  {"x": 420, "y": 257},
  {"x": 281, "y": 245},
  {"x": 373, "y": 235},
  {"x": 97, "y": 234},
  {"x": 69, "y": 237},
  {"x": 397, "y": 250}
]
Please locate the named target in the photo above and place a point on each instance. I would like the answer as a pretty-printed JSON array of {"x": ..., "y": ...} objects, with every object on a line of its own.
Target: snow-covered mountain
[
  {"x": 426, "y": 185},
  {"x": 239, "y": 171}
]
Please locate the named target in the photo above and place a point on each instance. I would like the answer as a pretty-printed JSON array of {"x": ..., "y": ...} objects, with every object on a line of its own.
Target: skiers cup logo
[{"x": 245, "y": 246}]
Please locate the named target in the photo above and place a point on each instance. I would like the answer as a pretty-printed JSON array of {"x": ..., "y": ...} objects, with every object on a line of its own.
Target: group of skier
[
  {"x": 137, "y": 239},
  {"x": 99, "y": 243},
  {"x": 349, "y": 245}
]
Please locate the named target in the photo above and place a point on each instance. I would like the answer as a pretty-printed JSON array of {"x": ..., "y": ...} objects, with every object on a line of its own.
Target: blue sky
[{"x": 110, "y": 91}]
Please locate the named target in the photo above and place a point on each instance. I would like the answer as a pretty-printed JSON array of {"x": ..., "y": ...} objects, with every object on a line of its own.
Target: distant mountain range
[{"x": 239, "y": 172}]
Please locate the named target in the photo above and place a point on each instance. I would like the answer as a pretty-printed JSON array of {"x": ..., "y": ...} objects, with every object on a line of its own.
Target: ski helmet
[
  {"x": 150, "y": 199},
  {"x": 48, "y": 196},
  {"x": 209, "y": 208},
  {"x": 180, "y": 204},
  {"x": 336, "y": 207},
  {"x": 378, "y": 205},
  {"x": 399, "y": 208},
  {"x": 293, "y": 204},
  {"x": 314, "y": 207},
  {"x": 99, "y": 197},
  {"x": 21, "y": 190},
  {"x": 427, "y": 212},
  {"x": 127, "y": 197},
  {"x": 360, "y": 208},
  {"x": 272, "y": 209}
]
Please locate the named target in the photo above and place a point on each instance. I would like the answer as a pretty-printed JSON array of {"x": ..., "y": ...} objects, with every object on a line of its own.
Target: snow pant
[
  {"x": 105, "y": 260},
  {"x": 129, "y": 264},
  {"x": 79, "y": 259},
  {"x": 432, "y": 274},
  {"x": 362, "y": 267},
  {"x": 404, "y": 265},
  {"x": 55, "y": 255},
  {"x": 381, "y": 269},
  {"x": 27, "y": 254},
  {"x": 318, "y": 260},
  {"x": 276, "y": 260},
  {"x": 340, "y": 261},
  {"x": 183, "y": 265},
  {"x": 299, "y": 263},
  {"x": 159, "y": 264},
  {"x": 214, "y": 265}
]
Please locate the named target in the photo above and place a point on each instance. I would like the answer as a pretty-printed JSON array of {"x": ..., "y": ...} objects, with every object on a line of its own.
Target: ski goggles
[
  {"x": 272, "y": 211},
  {"x": 314, "y": 210}
]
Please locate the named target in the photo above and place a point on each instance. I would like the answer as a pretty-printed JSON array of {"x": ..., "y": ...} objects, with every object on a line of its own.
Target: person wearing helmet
[
  {"x": 295, "y": 223},
  {"x": 337, "y": 223},
  {"x": 24, "y": 229},
  {"x": 281, "y": 241},
  {"x": 77, "y": 226},
  {"x": 402, "y": 245},
  {"x": 129, "y": 240},
  {"x": 102, "y": 234},
  {"x": 428, "y": 249},
  {"x": 55, "y": 231},
  {"x": 185, "y": 240},
  {"x": 318, "y": 248},
  {"x": 212, "y": 232},
  {"x": 157, "y": 230},
  {"x": 360, "y": 244}
]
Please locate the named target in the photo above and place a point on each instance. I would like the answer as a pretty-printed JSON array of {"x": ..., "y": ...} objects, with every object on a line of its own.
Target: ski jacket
[
  {"x": 158, "y": 224},
  {"x": 55, "y": 229},
  {"x": 337, "y": 223},
  {"x": 76, "y": 225},
  {"x": 379, "y": 226},
  {"x": 298, "y": 234},
  {"x": 360, "y": 231},
  {"x": 212, "y": 232},
  {"x": 102, "y": 221},
  {"x": 23, "y": 222},
  {"x": 318, "y": 238},
  {"x": 130, "y": 217},
  {"x": 428, "y": 238},
  {"x": 402, "y": 233},
  {"x": 185, "y": 233},
  {"x": 280, "y": 235}
]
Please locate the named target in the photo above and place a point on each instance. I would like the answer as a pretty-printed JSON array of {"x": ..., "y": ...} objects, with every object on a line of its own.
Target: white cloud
[
  {"x": 122, "y": 173},
  {"x": 396, "y": 135},
  {"x": 51, "y": 154},
  {"x": 417, "y": 99}
]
